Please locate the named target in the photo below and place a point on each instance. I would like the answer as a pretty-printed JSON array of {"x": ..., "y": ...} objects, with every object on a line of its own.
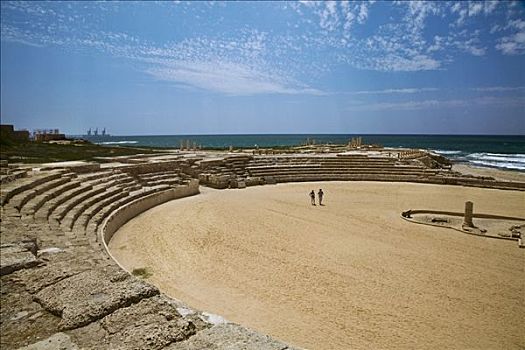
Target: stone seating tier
[
  {"x": 50, "y": 205},
  {"x": 96, "y": 220},
  {"x": 9, "y": 175},
  {"x": 158, "y": 176},
  {"x": 20, "y": 199},
  {"x": 79, "y": 289},
  {"x": 82, "y": 221},
  {"x": 37, "y": 202},
  {"x": 9, "y": 190},
  {"x": 61, "y": 211},
  {"x": 115, "y": 176},
  {"x": 69, "y": 219},
  {"x": 335, "y": 171},
  {"x": 96, "y": 175}
]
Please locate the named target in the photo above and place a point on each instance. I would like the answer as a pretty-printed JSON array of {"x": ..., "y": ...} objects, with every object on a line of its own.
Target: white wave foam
[
  {"x": 515, "y": 166},
  {"x": 499, "y": 157},
  {"x": 116, "y": 142},
  {"x": 446, "y": 152}
]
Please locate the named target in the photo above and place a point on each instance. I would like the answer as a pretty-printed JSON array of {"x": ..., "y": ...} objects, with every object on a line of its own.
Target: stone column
[{"x": 469, "y": 209}]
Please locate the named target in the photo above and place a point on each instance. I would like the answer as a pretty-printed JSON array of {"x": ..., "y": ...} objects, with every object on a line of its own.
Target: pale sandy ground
[
  {"x": 505, "y": 175},
  {"x": 348, "y": 275}
]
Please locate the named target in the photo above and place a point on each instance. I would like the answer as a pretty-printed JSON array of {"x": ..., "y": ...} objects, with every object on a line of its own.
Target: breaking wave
[
  {"x": 116, "y": 142},
  {"x": 498, "y": 160},
  {"x": 439, "y": 151}
]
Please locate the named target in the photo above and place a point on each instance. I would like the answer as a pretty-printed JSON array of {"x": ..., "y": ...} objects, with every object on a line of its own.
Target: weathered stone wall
[{"x": 153, "y": 167}]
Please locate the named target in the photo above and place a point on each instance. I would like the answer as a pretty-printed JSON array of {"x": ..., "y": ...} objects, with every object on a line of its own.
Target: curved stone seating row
[
  {"x": 160, "y": 178},
  {"x": 19, "y": 200},
  {"x": 96, "y": 220},
  {"x": 80, "y": 225},
  {"x": 63, "y": 289},
  {"x": 275, "y": 171},
  {"x": 9, "y": 175},
  {"x": 63, "y": 195},
  {"x": 33, "y": 205},
  {"x": 69, "y": 219},
  {"x": 12, "y": 189},
  {"x": 61, "y": 283}
]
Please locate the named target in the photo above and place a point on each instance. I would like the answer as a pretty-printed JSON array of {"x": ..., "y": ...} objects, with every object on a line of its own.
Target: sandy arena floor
[{"x": 348, "y": 275}]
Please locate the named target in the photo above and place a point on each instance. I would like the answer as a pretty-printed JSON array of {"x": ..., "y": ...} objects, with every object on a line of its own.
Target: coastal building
[
  {"x": 41, "y": 135},
  {"x": 8, "y": 132}
]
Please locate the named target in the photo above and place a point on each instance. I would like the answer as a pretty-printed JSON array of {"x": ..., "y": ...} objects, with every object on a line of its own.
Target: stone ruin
[
  {"x": 494, "y": 226},
  {"x": 61, "y": 286}
]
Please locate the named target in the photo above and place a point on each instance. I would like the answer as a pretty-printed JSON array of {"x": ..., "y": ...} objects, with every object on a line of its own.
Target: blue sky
[{"x": 264, "y": 67}]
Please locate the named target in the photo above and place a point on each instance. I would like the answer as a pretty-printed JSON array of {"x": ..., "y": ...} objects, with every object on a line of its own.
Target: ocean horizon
[{"x": 493, "y": 151}]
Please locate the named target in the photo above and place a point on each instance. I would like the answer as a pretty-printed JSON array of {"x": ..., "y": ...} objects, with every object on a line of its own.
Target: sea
[{"x": 503, "y": 152}]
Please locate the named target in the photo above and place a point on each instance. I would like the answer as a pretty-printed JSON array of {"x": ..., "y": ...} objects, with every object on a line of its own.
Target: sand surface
[
  {"x": 348, "y": 275},
  {"x": 498, "y": 174}
]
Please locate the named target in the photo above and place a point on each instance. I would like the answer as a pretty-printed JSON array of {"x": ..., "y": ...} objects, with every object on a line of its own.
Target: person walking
[
  {"x": 312, "y": 197},
  {"x": 320, "y": 194}
]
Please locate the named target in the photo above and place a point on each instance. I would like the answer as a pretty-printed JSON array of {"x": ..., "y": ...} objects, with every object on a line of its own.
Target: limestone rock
[
  {"x": 150, "y": 324},
  {"x": 55, "y": 268},
  {"x": 91, "y": 295},
  {"x": 22, "y": 321},
  {"x": 58, "y": 341},
  {"x": 16, "y": 257},
  {"x": 229, "y": 336}
]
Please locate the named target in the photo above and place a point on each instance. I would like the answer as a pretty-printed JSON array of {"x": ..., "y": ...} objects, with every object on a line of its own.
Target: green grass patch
[{"x": 38, "y": 152}]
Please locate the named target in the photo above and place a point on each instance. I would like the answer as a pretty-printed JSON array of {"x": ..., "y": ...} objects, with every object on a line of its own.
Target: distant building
[
  {"x": 8, "y": 132},
  {"x": 41, "y": 135}
]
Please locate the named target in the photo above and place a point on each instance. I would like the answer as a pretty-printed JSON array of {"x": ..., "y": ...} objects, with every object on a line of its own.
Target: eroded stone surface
[
  {"x": 91, "y": 295},
  {"x": 16, "y": 257},
  {"x": 22, "y": 320},
  {"x": 54, "y": 268},
  {"x": 58, "y": 341},
  {"x": 228, "y": 336},
  {"x": 64, "y": 282},
  {"x": 152, "y": 323}
]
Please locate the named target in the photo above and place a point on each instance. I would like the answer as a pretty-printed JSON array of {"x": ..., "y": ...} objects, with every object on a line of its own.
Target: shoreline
[{"x": 498, "y": 174}]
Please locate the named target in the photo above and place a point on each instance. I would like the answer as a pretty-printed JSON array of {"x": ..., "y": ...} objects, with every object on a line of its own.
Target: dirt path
[{"x": 348, "y": 275}]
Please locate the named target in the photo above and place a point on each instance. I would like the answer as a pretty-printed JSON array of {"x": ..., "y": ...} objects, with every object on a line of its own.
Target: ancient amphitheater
[{"x": 61, "y": 288}]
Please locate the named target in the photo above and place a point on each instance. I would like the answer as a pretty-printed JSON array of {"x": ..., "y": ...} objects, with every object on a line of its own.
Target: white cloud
[
  {"x": 393, "y": 91},
  {"x": 487, "y": 101},
  {"x": 474, "y": 8},
  {"x": 499, "y": 88},
  {"x": 226, "y": 77},
  {"x": 513, "y": 44},
  {"x": 406, "y": 106},
  {"x": 490, "y": 6},
  {"x": 329, "y": 19}
]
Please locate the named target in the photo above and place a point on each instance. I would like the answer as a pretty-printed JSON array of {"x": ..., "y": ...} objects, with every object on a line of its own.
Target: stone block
[
  {"x": 229, "y": 336},
  {"x": 58, "y": 341},
  {"x": 17, "y": 256},
  {"x": 270, "y": 180},
  {"x": 91, "y": 295},
  {"x": 152, "y": 323}
]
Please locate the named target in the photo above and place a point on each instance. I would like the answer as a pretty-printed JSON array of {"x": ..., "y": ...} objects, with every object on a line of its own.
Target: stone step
[
  {"x": 61, "y": 211},
  {"x": 97, "y": 219},
  {"x": 49, "y": 206},
  {"x": 82, "y": 222},
  {"x": 68, "y": 220},
  {"x": 37, "y": 202},
  {"x": 19, "y": 200},
  {"x": 25, "y": 184}
]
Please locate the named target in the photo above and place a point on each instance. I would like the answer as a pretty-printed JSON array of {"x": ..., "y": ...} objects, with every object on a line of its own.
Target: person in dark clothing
[
  {"x": 312, "y": 197},
  {"x": 320, "y": 194}
]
